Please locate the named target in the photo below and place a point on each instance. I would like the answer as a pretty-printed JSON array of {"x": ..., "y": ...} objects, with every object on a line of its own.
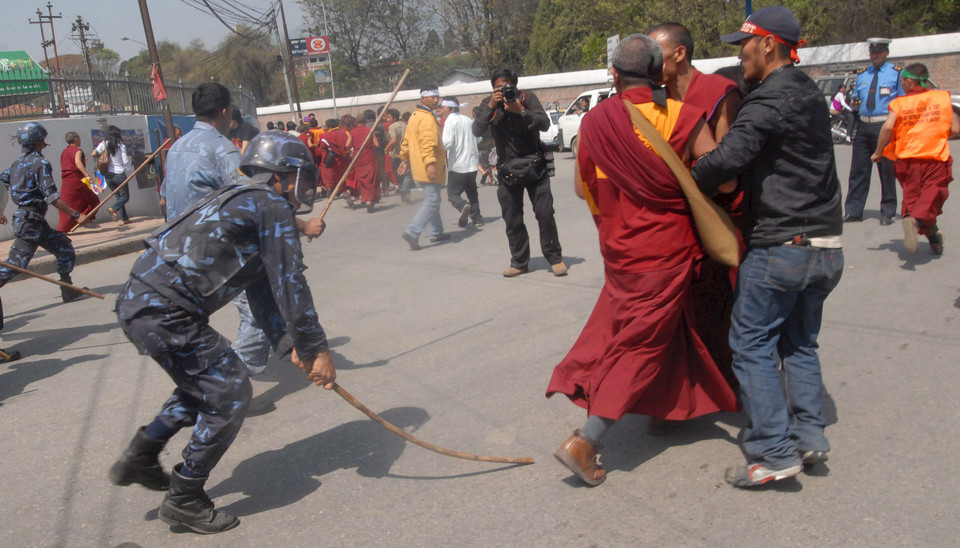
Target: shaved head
[{"x": 678, "y": 34}]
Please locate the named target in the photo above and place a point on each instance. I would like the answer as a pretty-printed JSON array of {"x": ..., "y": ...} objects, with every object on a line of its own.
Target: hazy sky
[{"x": 110, "y": 20}]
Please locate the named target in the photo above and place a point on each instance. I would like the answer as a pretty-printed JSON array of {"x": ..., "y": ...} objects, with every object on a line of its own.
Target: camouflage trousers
[
  {"x": 213, "y": 387},
  {"x": 32, "y": 231}
]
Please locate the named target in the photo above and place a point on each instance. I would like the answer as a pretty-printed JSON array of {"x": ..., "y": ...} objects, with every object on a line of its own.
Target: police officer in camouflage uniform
[
  {"x": 242, "y": 237},
  {"x": 30, "y": 180}
]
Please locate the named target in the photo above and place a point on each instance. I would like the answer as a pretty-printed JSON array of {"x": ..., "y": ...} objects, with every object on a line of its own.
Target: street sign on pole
[
  {"x": 318, "y": 44},
  {"x": 321, "y": 76},
  {"x": 298, "y": 47}
]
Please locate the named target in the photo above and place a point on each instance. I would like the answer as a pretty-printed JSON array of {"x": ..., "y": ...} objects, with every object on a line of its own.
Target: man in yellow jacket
[{"x": 423, "y": 154}]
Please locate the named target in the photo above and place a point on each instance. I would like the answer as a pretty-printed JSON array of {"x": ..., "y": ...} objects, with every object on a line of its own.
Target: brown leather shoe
[
  {"x": 513, "y": 272},
  {"x": 582, "y": 458},
  {"x": 559, "y": 269}
]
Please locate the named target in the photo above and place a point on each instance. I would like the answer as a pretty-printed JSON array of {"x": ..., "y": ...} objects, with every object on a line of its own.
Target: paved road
[{"x": 441, "y": 344}]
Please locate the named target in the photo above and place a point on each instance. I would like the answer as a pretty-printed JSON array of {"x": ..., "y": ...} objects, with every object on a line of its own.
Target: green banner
[{"x": 19, "y": 74}]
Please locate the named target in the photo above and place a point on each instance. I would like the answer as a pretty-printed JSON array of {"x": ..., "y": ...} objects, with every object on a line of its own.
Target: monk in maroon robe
[
  {"x": 336, "y": 142},
  {"x": 72, "y": 172},
  {"x": 639, "y": 352},
  {"x": 364, "y": 174},
  {"x": 719, "y": 97}
]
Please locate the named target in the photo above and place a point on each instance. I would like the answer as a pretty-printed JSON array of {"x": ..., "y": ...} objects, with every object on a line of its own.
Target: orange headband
[{"x": 751, "y": 28}]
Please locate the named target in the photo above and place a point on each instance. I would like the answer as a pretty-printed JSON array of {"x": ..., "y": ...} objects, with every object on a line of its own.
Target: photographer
[{"x": 517, "y": 118}]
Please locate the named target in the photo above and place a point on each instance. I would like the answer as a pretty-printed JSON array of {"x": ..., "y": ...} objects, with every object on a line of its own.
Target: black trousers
[
  {"x": 861, "y": 168},
  {"x": 32, "y": 231},
  {"x": 511, "y": 205},
  {"x": 464, "y": 183}
]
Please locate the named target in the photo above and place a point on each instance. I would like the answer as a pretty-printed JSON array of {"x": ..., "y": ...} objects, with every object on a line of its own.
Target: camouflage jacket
[
  {"x": 241, "y": 237},
  {"x": 30, "y": 180}
]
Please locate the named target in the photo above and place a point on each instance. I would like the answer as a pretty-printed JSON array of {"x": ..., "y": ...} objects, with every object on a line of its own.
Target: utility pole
[
  {"x": 286, "y": 75},
  {"x": 48, "y": 19},
  {"x": 155, "y": 60},
  {"x": 289, "y": 64},
  {"x": 80, "y": 27}
]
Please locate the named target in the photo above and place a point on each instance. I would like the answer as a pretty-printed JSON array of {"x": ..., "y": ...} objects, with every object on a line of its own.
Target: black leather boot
[
  {"x": 187, "y": 504},
  {"x": 69, "y": 295},
  {"x": 139, "y": 464}
]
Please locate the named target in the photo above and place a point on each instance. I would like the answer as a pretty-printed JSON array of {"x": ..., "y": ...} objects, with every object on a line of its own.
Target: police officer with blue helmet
[
  {"x": 242, "y": 237},
  {"x": 875, "y": 87},
  {"x": 32, "y": 189}
]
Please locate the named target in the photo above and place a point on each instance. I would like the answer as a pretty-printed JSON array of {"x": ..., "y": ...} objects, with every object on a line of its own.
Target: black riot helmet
[
  {"x": 31, "y": 133},
  {"x": 280, "y": 152}
]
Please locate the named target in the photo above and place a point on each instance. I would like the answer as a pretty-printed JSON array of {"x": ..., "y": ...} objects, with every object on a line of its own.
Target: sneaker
[
  {"x": 513, "y": 272},
  {"x": 442, "y": 237},
  {"x": 478, "y": 224},
  {"x": 412, "y": 240},
  {"x": 757, "y": 474},
  {"x": 814, "y": 457},
  {"x": 349, "y": 199},
  {"x": 559, "y": 269},
  {"x": 936, "y": 243},
  {"x": 464, "y": 215},
  {"x": 370, "y": 208},
  {"x": 910, "y": 235}
]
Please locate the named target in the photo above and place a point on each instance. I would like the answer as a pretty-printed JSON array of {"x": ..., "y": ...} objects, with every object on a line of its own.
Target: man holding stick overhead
[
  {"x": 30, "y": 180},
  {"x": 240, "y": 238}
]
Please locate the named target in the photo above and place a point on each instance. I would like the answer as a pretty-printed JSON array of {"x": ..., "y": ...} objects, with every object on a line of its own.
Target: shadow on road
[
  {"x": 281, "y": 477},
  {"x": 21, "y": 374},
  {"x": 910, "y": 260}
]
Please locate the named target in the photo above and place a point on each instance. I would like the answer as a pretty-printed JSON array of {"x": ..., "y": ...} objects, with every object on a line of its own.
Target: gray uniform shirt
[{"x": 200, "y": 162}]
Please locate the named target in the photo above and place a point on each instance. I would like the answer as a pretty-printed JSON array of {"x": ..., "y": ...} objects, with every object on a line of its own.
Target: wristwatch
[{"x": 75, "y": 215}]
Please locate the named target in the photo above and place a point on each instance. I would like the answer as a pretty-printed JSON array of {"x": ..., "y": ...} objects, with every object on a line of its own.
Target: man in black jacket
[
  {"x": 780, "y": 145},
  {"x": 517, "y": 118}
]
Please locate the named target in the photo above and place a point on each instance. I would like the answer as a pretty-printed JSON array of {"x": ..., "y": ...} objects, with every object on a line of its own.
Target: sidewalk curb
[{"x": 47, "y": 264}]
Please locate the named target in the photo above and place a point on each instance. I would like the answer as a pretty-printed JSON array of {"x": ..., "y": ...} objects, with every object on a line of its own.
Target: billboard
[{"x": 19, "y": 74}]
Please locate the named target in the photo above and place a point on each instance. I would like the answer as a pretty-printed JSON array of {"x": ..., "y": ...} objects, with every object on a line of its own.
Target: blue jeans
[
  {"x": 405, "y": 181},
  {"x": 777, "y": 312},
  {"x": 114, "y": 180},
  {"x": 429, "y": 212}
]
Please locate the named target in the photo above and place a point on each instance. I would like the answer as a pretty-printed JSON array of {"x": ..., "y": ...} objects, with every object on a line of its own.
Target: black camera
[{"x": 509, "y": 92}]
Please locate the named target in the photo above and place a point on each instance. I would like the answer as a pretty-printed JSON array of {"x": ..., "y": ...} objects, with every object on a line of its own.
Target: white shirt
[
  {"x": 461, "y": 145},
  {"x": 119, "y": 162},
  {"x": 839, "y": 98}
]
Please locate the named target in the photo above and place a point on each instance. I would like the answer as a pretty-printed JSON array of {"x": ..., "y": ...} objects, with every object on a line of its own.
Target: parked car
[
  {"x": 569, "y": 122},
  {"x": 550, "y": 135}
]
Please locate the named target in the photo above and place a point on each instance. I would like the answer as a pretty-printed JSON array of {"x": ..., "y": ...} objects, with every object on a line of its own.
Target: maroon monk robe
[
  {"x": 72, "y": 190},
  {"x": 638, "y": 352},
  {"x": 364, "y": 174},
  {"x": 335, "y": 141}
]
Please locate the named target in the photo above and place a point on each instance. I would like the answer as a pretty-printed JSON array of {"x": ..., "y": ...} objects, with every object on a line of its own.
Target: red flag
[{"x": 159, "y": 92}]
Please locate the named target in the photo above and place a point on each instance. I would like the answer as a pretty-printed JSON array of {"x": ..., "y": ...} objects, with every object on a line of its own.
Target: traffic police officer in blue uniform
[
  {"x": 30, "y": 180},
  {"x": 875, "y": 87},
  {"x": 242, "y": 237}
]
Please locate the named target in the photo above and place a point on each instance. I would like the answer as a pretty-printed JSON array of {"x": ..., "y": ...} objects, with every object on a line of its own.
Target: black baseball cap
[{"x": 776, "y": 20}]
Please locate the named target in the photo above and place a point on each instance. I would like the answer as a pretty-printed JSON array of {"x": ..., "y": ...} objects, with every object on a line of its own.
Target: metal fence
[{"x": 29, "y": 94}]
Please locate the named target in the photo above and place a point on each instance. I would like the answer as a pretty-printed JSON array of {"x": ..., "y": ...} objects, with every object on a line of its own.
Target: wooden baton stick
[
  {"x": 93, "y": 213},
  {"x": 336, "y": 189},
  {"x": 51, "y": 280},
  {"x": 413, "y": 439}
]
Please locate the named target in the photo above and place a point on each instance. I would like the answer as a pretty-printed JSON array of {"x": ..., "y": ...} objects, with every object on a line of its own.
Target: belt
[{"x": 873, "y": 119}]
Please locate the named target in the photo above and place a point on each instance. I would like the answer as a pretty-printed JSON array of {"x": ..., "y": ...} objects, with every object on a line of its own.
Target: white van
[{"x": 569, "y": 122}]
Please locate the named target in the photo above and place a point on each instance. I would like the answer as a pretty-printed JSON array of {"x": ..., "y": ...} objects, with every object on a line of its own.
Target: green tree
[{"x": 496, "y": 32}]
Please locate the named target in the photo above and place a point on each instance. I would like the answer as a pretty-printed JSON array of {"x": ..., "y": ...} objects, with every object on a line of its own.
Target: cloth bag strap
[{"x": 713, "y": 224}]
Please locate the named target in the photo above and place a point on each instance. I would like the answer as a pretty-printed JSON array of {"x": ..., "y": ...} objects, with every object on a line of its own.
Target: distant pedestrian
[
  {"x": 462, "y": 161},
  {"x": 917, "y": 129},
  {"x": 423, "y": 155},
  {"x": 875, "y": 87},
  {"x": 73, "y": 190},
  {"x": 118, "y": 166},
  {"x": 241, "y": 132},
  {"x": 364, "y": 174},
  {"x": 395, "y": 134}
]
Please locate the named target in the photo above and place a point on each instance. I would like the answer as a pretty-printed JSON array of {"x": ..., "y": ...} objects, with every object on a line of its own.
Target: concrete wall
[
  {"x": 940, "y": 52},
  {"x": 138, "y": 138}
]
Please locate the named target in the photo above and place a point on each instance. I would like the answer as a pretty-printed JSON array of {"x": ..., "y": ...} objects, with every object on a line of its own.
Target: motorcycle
[{"x": 839, "y": 130}]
